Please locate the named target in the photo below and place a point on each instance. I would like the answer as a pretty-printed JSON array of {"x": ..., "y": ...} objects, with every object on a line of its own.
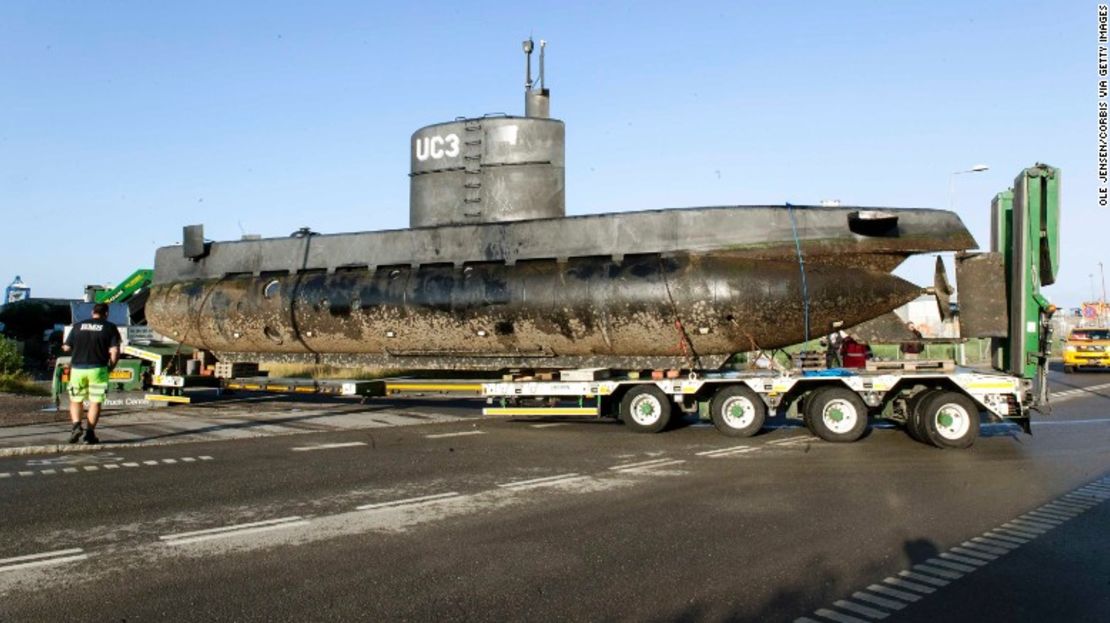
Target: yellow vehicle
[{"x": 1087, "y": 348}]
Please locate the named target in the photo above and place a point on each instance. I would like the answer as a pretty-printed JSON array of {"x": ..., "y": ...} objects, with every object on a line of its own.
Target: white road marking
[
  {"x": 68, "y": 470},
  {"x": 130, "y": 464},
  {"x": 844, "y": 604},
  {"x": 91, "y": 468},
  {"x": 459, "y": 434},
  {"x": 946, "y": 564},
  {"x": 920, "y": 577},
  {"x": 45, "y": 558},
  {"x": 640, "y": 464},
  {"x": 727, "y": 451},
  {"x": 111, "y": 466},
  {"x": 652, "y": 466},
  {"x": 424, "y": 499},
  {"x": 1006, "y": 538},
  {"x": 647, "y": 464},
  {"x": 889, "y": 604},
  {"x": 937, "y": 571},
  {"x": 1023, "y": 534},
  {"x": 235, "y": 530},
  {"x": 1026, "y": 521},
  {"x": 1024, "y": 528},
  {"x": 169, "y": 461},
  {"x": 974, "y": 552},
  {"x": 29, "y": 473},
  {"x": 1072, "y": 422},
  {"x": 733, "y": 453},
  {"x": 1083, "y": 500},
  {"x": 994, "y": 543},
  {"x": 1056, "y": 513},
  {"x": 893, "y": 592},
  {"x": 549, "y": 424},
  {"x": 997, "y": 551},
  {"x": 978, "y": 562},
  {"x": 913, "y": 586},
  {"x": 329, "y": 446},
  {"x": 205, "y": 458},
  {"x": 48, "y": 471},
  {"x": 150, "y": 462},
  {"x": 1075, "y": 508},
  {"x": 838, "y": 617},
  {"x": 1033, "y": 524},
  {"x": 5, "y": 474},
  {"x": 1039, "y": 516},
  {"x": 794, "y": 439},
  {"x": 520, "y": 485}
]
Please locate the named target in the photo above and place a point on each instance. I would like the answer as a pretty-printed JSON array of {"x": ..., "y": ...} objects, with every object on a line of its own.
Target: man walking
[
  {"x": 913, "y": 348},
  {"x": 94, "y": 344}
]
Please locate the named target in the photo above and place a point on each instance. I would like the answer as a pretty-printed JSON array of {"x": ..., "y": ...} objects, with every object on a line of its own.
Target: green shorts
[{"x": 88, "y": 384}]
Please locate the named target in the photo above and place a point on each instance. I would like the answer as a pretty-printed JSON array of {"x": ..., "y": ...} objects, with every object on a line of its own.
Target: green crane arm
[{"x": 126, "y": 288}]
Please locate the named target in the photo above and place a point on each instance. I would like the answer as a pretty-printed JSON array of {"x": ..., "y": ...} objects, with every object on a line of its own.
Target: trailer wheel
[
  {"x": 737, "y": 411},
  {"x": 646, "y": 409},
  {"x": 836, "y": 414},
  {"x": 1069, "y": 369},
  {"x": 949, "y": 420},
  {"x": 914, "y": 420}
]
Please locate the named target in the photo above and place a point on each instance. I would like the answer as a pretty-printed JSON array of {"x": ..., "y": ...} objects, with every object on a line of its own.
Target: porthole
[{"x": 272, "y": 334}]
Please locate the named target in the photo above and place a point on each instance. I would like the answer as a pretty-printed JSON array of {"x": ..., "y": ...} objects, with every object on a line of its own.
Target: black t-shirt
[{"x": 90, "y": 340}]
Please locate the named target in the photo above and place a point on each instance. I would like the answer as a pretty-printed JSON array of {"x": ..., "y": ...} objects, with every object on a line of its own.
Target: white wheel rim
[
  {"x": 952, "y": 421},
  {"x": 839, "y": 416},
  {"x": 738, "y": 412},
  {"x": 646, "y": 410}
]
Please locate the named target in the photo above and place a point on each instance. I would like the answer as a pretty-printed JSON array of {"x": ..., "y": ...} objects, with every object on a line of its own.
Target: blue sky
[{"x": 122, "y": 121}]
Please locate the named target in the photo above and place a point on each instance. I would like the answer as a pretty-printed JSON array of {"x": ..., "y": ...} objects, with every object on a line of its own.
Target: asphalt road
[{"x": 540, "y": 520}]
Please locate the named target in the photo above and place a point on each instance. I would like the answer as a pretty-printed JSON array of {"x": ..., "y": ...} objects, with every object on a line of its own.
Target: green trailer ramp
[{"x": 1025, "y": 229}]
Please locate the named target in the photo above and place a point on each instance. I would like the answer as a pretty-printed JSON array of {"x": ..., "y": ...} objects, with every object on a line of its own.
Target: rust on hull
[{"x": 642, "y": 311}]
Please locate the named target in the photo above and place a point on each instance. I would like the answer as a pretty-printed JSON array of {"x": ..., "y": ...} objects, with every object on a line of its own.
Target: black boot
[
  {"x": 90, "y": 436},
  {"x": 75, "y": 434}
]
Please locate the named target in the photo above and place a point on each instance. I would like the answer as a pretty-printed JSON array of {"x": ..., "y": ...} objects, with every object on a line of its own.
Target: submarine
[{"x": 492, "y": 273}]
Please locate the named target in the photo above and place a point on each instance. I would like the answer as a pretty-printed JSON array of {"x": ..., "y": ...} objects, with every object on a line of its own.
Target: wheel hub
[
  {"x": 738, "y": 412},
  {"x": 646, "y": 410},
  {"x": 952, "y": 421},
  {"x": 840, "y": 416}
]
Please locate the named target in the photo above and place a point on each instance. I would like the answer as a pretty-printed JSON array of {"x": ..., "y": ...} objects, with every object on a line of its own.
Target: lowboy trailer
[{"x": 940, "y": 407}]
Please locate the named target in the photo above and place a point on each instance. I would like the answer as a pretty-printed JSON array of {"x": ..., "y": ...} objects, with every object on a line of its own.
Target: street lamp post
[{"x": 961, "y": 354}]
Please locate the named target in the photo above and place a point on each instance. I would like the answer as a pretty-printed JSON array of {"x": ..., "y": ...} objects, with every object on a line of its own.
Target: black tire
[
  {"x": 646, "y": 409},
  {"x": 736, "y": 411},
  {"x": 913, "y": 418},
  {"x": 836, "y": 414},
  {"x": 949, "y": 420},
  {"x": 1069, "y": 369}
]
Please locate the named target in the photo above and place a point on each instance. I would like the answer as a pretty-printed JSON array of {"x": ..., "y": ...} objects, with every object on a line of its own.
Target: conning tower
[{"x": 494, "y": 168}]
